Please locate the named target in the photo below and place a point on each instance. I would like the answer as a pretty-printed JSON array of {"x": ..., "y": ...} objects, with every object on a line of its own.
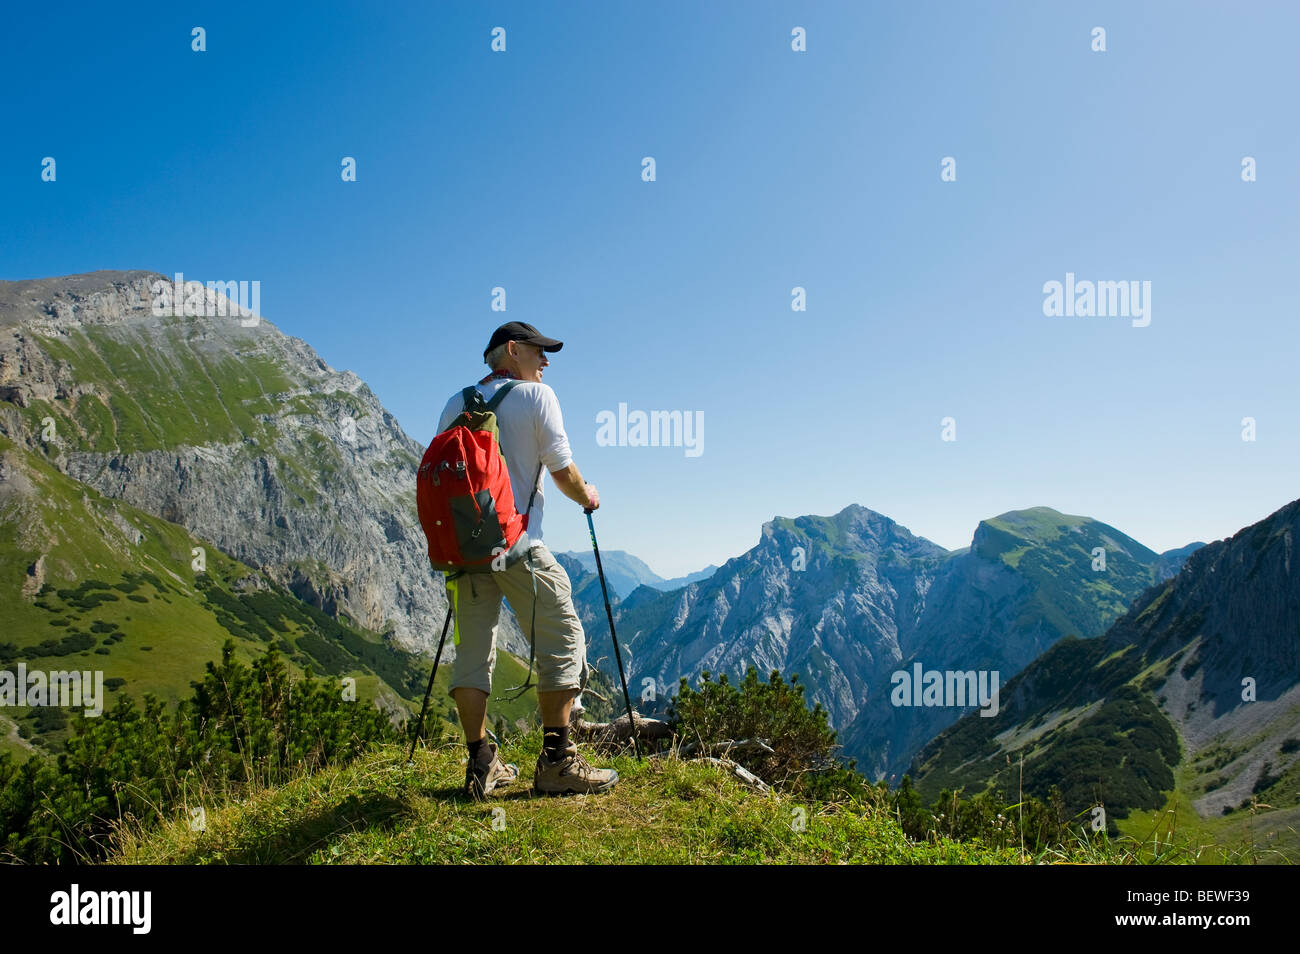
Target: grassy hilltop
[{"x": 379, "y": 810}]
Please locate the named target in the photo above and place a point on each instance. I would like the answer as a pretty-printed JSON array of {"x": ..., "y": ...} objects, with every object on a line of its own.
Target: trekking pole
[
  {"x": 631, "y": 721},
  {"x": 419, "y": 726}
]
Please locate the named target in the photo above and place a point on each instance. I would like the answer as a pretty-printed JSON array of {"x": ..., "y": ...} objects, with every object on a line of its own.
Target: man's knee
[
  {"x": 553, "y": 624},
  {"x": 476, "y": 675}
]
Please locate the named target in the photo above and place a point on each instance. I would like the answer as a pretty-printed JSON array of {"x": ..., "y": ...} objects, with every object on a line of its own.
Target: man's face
[{"x": 531, "y": 359}]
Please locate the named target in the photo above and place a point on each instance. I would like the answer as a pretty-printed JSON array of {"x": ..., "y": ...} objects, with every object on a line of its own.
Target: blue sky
[{"x": 774, "y": 169}]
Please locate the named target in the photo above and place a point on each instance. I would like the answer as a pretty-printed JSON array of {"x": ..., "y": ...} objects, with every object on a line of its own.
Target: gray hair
[{"x": 497, "y": 356}]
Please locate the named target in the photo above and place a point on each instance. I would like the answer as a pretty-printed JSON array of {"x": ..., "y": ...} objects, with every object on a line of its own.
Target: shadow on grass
[
  {"x": 294, "y": 844},
  {"x": 522, "y": 788},
  {"x": 504, "y": 793}
]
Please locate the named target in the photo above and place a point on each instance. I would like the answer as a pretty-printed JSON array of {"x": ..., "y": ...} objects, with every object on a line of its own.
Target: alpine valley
[
  {"x": 170, "y": 482},
  {"x": 1188, "y": 707}
]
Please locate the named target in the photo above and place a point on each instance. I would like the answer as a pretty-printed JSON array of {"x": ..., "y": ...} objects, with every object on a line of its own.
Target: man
[{"x": 531, "y": 431}]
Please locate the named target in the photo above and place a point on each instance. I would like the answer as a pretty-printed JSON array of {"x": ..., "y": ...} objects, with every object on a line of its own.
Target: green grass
[
  {"x": 379, "y": 811},
  {"x": 1265, "y": 827},
  {"x": 148, "y": 618},
  {"x": 1264, "y": 836},
  {"x": 1012, "y": 557},
  {"x": 225, "y": 396},
  {"x": 76, "y": 531},
  {"x": 8, "y": 744},
  {"x": 1039, "y": 524},
  {"x": 229, "y": 397}
]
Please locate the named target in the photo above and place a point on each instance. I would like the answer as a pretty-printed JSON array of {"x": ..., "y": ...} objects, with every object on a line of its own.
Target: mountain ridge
[
  {"x": 296, "y": 469},
  {"x": 1172, "y": 670},
  {"x": 625, "y": 571},
  {"x": 847, "y": 599},
  {"x": 264, "y": 430}
]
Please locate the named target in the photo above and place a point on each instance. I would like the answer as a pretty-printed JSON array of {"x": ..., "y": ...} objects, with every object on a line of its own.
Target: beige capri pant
[{"x": 560, "y": 641}]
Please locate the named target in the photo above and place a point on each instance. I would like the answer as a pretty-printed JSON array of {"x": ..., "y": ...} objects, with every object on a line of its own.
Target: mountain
[
  {"x": 1029, "y": 578},
  {"x": 828, "y": 621},
  {"x": 1194, "y": 694},
  {"x": 1171, "y": 561},
  {"x": 243, "y": 435},
  {"x": 91, "y": 583},
  {"x": 677, "y": 582},
  {"x": 238, "y": 437},
  {"x": 243, "y": 442},
  {"x": 623, "y": 572},
  {"x": 847, "y": 600}
]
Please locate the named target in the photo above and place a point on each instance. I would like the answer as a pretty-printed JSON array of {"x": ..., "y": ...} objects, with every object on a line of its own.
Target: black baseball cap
[{"x": 521, "y": 331}]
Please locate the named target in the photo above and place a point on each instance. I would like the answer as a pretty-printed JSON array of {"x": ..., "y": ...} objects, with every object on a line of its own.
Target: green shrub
[
  {"x": 803, "y": 743},
  {"x": 243, "y": 725},
  {"x": 72, "y": 643},
  {"x": 804, "y": 762}
]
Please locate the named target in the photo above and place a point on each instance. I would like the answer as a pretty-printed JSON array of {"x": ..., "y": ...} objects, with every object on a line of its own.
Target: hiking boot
[
  {"x": 571, "y": 775},
  {"x": 481, "y": 779}
]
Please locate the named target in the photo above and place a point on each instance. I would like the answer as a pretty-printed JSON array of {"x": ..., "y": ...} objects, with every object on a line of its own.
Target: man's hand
[{"x": 575, "y": 488}]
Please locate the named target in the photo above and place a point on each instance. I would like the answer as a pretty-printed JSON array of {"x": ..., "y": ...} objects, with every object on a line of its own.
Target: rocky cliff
[
  {"x": 1201, "y": 673},
  {"x": 233, "y": 430},
  {"x": 845, "y": 601}
]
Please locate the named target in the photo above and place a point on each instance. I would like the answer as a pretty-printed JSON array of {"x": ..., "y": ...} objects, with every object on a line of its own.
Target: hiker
[{"x": 531, "y": 435}]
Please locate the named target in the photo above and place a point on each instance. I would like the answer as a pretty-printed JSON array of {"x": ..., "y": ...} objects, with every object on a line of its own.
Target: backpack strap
[
  {"x": 533, "y": 495},
  {"x": 472, "y": 397},
  {"x": 501, "y": 392}
]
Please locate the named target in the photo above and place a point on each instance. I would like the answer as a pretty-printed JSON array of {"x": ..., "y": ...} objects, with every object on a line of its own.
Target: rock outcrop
[{"x": 235, "y": 431}]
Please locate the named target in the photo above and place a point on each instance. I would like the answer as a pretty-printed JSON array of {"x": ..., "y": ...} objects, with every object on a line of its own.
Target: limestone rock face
[
  {"x": 232, "y": 429},
  {"x": 847, "y": 600},
  {"x": 1203, "y": 667}
]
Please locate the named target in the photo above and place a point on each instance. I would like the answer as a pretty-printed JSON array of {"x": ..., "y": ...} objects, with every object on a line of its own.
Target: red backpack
[{"x": 463, "y": 494}]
